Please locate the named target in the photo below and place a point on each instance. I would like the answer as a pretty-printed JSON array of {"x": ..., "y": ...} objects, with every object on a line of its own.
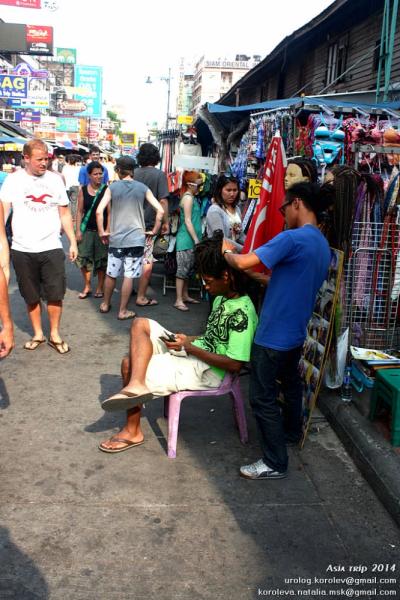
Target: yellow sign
[
  {"x": 185, "y": 120},
  {"x": 254, "y": 188},
  {"x": 128, "y": 138}
]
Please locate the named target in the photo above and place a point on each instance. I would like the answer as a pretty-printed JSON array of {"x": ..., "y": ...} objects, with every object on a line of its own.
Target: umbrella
[{"x": 267, "y": 221}]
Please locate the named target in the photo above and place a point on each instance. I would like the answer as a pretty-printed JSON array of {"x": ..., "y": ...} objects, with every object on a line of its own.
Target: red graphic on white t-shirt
[{"x": 39, "y": 199}]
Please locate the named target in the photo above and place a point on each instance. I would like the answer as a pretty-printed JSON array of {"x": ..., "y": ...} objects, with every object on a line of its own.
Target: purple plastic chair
[{"x": 229, "y": 385}]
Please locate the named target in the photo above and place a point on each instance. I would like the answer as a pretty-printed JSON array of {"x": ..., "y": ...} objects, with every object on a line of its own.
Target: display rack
[
  {"x": 370, "y": 308},
  {"x": 372, "y": 149}
]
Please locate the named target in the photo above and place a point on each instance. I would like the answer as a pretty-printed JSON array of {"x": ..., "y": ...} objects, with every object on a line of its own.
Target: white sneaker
[{"x": 259, "y": 470}]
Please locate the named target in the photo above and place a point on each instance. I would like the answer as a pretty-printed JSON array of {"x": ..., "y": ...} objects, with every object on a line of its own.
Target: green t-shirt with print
[{"x": 230, "y": 329}]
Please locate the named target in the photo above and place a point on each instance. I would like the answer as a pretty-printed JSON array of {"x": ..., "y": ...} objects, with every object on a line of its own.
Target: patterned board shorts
[
  {"x": 131, "y": 259},
  {"x": 185, "y": 264}
]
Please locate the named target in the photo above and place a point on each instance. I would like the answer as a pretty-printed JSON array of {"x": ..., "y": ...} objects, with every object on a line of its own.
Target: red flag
[{"x": 267, "y": 221}]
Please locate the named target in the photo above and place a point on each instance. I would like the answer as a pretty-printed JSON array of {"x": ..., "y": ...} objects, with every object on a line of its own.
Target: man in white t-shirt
[{"x": 40, "y": 210}]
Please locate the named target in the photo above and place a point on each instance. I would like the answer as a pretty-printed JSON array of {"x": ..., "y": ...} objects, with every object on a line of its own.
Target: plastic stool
[
  {"x": 229, "y": 385},
  {"x": 387, "y": 390}
]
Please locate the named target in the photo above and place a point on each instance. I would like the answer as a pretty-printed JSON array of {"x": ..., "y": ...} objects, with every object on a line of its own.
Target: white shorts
[
  {"x": 167, "y": 373},
  {"x": 131, "y": 259}
]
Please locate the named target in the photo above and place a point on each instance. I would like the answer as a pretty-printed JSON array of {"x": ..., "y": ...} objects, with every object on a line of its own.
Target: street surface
[{"x": 79, "y": 524}]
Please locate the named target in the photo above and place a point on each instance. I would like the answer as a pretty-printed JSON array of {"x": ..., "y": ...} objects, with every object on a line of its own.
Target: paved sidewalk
[{"x": 79, "y": 524}]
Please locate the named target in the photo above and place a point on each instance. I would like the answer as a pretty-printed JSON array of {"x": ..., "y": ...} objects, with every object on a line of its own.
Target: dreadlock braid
[
  {"x": 209, "y": 261},
  {"x": 346, "y": 184}
]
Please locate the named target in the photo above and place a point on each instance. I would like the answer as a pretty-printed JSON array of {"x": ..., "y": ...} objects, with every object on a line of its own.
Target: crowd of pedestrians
[{"x": 115, "y": 226}]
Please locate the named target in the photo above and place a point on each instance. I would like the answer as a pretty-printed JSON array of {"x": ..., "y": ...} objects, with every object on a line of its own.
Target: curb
[{"x": 371, "y": 453}]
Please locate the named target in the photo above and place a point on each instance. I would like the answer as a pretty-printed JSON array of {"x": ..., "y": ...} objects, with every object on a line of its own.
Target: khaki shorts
[{"x": 167, "y": 373}]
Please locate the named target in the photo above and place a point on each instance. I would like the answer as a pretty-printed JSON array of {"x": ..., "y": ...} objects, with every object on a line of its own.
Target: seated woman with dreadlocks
[{"x": 161, "y": 363}]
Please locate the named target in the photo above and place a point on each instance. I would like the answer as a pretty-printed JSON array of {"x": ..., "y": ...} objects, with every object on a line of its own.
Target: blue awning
[{"x": 230, "y": 115}]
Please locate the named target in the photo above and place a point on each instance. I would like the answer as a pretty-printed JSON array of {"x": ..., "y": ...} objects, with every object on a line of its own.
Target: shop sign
[
  {"x": 28, "y": 116},
  {"x": 67, "y": 124},
  {"x": 26, "y": 70},
  {"x": 184, "y": 120},
  {"x": 13, "y": 86},
  {"x": 45, "y": 134},
  {"x": 90, "y": 78},
  {"x": 128, "y": 139},
  {"x": 39, "y": 39},
  {"x": 38, "y": 99},
  {"x": 227, "y": 64},
  {"x": 254, "y": 188},
  {"x": 66, "y": 55},
  {"x": 22, "y": 3},
  {"x": 10, "y": 147},
  {"x": 76, "y": 106}
]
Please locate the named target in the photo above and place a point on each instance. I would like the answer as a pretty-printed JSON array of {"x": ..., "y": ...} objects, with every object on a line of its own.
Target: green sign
[
  {"x": 66, "y": 55},
  {"x": 67, "y": 124}
]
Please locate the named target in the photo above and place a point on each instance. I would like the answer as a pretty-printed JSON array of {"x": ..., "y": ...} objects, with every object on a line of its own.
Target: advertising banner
[
  {"x": 13, "y": 86},
  {"x": 128, "y": 138},
  {"x": 90, "y": 78},
  {"x": 66, "y": 55},
  {"x": 22, "y": 3},
  {"x": 36, "y": 99},
  {"x": 26, "y": 70},
  {"x": 31, "y": 116},
  {"x": 39, "y": 39},
  {"x": 67, "y": 124}
]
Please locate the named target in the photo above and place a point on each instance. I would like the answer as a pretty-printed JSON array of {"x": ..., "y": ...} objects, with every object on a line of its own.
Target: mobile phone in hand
[{"x": 167, "y": 337}]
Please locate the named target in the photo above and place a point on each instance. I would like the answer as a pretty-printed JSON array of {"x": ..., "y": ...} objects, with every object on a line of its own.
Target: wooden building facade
[{"x": 335, "y": 53}]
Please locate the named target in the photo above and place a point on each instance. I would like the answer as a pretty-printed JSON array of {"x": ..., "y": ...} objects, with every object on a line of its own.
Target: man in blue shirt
[
  {"x": 299, "y": 259},
  {"x": 94, "y": 155}
]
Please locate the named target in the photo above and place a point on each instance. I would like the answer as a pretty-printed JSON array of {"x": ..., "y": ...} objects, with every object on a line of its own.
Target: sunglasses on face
[{"x": 282, "y": 209}]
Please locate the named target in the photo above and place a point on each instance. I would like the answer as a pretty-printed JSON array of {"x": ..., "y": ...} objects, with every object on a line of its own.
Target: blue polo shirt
[{"x": 299, "y": 260}]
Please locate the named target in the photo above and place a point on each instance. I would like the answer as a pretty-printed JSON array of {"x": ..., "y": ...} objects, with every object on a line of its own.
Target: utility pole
[{"x": 168, "y": 81}]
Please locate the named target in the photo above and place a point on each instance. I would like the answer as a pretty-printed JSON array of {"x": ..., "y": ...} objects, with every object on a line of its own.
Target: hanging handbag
[{"x": 86, "y": 218}]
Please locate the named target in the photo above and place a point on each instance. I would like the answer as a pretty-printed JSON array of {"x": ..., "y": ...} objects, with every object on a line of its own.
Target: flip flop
[
  {"x": 181, "y": 307},
  {"x": 129, "y": 315},
  {"x": 33, "y": 344},
  {"x": 192, "y": 301},
  {"x": 84, "y": 295},
  {"x": 59, "y": 346},
  {"x": 105, "y": 311},
  {"x": 150, "y": 302},
  {"x": 125, "y": 400},
  {"x": 101, "y": 295},
  {"x": 129, "y": 444}
]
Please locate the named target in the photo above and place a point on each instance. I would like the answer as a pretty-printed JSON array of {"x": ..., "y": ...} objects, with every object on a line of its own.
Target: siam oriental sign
[{"x": 227, "y": 64}]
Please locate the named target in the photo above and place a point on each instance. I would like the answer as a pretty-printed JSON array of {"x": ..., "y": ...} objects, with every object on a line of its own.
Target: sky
[{"x": 133, "y": 40}]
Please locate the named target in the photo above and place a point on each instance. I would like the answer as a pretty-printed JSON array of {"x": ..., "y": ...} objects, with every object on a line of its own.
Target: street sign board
[
  {"x": 38, "y": 99},
  {"x": 67, "y": 124},
  {"x": 76, "y": 106},
  {"x": 91, "y": 78},
  {"x": 13, "y": 86},
  {"x": 184, "y": 120}
]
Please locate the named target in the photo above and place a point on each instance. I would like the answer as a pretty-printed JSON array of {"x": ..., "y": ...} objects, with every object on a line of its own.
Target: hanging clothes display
[{"x": 167, "y": 140}]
